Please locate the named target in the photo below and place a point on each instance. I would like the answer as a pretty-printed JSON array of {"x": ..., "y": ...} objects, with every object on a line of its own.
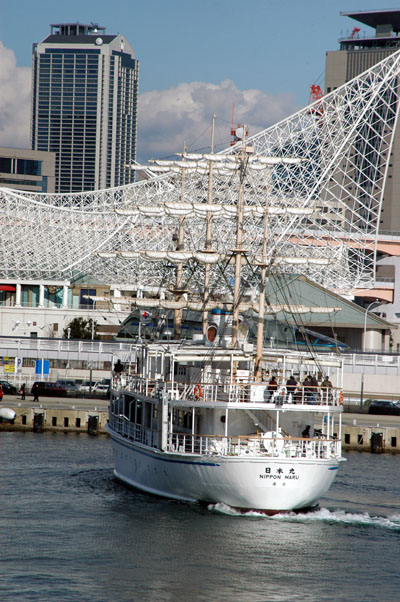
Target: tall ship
[
  {"x": 221, "y": 417},
  {"x": 192, "y": 424}
]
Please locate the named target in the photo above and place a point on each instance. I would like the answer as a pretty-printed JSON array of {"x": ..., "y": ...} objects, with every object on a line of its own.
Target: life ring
[
  {"x": 198, "y": 392},
  {"x": 341, "y": 398},
  {"x": 273, "y": 441}
]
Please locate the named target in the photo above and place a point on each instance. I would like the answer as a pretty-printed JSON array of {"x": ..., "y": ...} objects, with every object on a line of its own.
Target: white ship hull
[{"x": 267, "y": 484}]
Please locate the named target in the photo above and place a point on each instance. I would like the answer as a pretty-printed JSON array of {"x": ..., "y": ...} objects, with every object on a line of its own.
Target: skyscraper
[
  {"x": 360, "y": 50},
  {"x": 84, "y": 106}
]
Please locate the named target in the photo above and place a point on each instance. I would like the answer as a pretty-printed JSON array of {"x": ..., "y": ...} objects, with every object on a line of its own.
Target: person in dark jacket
[
  {"x": 272, "y": 387},
  {"x": 291, "y": 385},
  {"x": 118, "y": 367},
  {"x": 35, "y": 392},
  {"x": 314, "y": 390},
  {"x": 307, "y": 387}
]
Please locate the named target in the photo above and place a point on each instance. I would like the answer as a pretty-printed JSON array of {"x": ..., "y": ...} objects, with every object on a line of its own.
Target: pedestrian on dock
[
  {"x": 35, "y": 392},
  {"x": 22, "y": 391},
  {"x": 1, "y": 392}
]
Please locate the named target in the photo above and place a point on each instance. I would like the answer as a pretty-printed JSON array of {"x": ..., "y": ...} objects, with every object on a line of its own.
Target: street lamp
[{"x": 365, "y": 320}]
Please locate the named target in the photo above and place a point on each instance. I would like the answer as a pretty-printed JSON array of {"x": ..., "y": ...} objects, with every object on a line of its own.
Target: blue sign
[{"x": 42, "y": 367}]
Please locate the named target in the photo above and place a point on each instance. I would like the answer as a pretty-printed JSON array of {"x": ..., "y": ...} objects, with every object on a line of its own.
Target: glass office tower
[{"x": 84, "y": 106}]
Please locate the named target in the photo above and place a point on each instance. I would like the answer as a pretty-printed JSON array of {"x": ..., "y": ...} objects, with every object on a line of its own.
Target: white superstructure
[{"x": 192, "y": 424}]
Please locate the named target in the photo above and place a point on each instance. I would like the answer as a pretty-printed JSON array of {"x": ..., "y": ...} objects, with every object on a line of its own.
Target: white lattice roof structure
[{"x": 323, "y": 212}]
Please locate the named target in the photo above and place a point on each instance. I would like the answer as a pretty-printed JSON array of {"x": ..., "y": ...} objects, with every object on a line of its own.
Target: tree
[{"x": 80, "y": 328}]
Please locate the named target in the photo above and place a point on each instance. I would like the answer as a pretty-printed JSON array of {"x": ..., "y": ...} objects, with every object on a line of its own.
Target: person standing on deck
[
  {"x": 272, "y": 387},
  {"x": 326, "y": 389},
  {"x": 291, "y": 385}
]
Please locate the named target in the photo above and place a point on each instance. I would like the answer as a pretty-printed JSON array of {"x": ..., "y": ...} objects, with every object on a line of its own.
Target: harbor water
[{"x": 70, "y": 532}]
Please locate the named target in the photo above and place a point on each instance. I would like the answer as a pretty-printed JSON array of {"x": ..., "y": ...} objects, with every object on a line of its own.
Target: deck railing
[
  {"x": 262, "y": 445},
  {"x": 135, "y": 432},
  {"x": 236, "y": 393}
]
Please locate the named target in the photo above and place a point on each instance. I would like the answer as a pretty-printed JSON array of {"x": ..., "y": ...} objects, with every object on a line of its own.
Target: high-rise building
[
  {"x": 359, "y": 50},
  {"x": 24, "y": 169},
  {"x": 84, "y": 106}
]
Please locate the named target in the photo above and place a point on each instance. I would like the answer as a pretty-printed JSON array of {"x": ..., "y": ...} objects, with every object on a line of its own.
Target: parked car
[
  {"x": 384, "y": 407},
  {"x": 8, "y": 388},
  {"x": 103, "y": 388},
  {"x": 70, "y": 385},
  {"x": 49, "y": 389},
  {"x": 87, "y": 385}
]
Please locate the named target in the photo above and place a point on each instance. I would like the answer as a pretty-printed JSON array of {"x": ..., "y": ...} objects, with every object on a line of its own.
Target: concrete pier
[
  {"x": 360, "y": 431},
  {"x": 371, "y": 432},
  {"x": 63, "y": 415}
]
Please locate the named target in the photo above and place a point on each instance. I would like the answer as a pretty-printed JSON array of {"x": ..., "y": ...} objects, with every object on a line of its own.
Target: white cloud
[
  {"x": 15, "y": 101},
  {"x": 169, "y": 119}
]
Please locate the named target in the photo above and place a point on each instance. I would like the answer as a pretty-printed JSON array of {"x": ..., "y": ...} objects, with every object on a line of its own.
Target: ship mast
[
  {"x": 179, "y": 268},
  {"x": 261, "y": 301},
  {"x": 242, "y": 162},
  {"x": 209, "y": 231},
  {"x": 243, "y": 156}
]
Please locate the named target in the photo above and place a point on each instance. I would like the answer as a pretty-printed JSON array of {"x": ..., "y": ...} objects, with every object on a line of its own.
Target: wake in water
[{"x": 319, "y": 515}]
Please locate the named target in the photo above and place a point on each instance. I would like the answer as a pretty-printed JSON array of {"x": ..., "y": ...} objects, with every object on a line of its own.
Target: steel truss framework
[{"x": 344, "y": 141}]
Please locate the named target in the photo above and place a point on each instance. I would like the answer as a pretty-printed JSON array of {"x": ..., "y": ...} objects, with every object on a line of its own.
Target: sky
[{"x": 254, "y": 58}]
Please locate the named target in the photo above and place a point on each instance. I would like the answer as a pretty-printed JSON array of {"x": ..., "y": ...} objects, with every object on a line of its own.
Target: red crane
[{"x": 316, "y": 94}]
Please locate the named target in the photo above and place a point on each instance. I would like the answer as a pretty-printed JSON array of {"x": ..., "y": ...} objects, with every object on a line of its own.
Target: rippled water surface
[{"x": 70, "y": 532}]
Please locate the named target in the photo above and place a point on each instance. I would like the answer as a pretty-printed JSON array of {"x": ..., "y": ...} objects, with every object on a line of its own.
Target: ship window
[
  {"x": 181, "y": 370},
  {"x": 147, "y": 415},
  {"x": 187, "y": 420}
]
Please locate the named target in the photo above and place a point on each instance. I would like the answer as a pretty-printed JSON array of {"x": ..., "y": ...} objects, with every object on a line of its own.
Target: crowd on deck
[{"x": 308, "y": 391}]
